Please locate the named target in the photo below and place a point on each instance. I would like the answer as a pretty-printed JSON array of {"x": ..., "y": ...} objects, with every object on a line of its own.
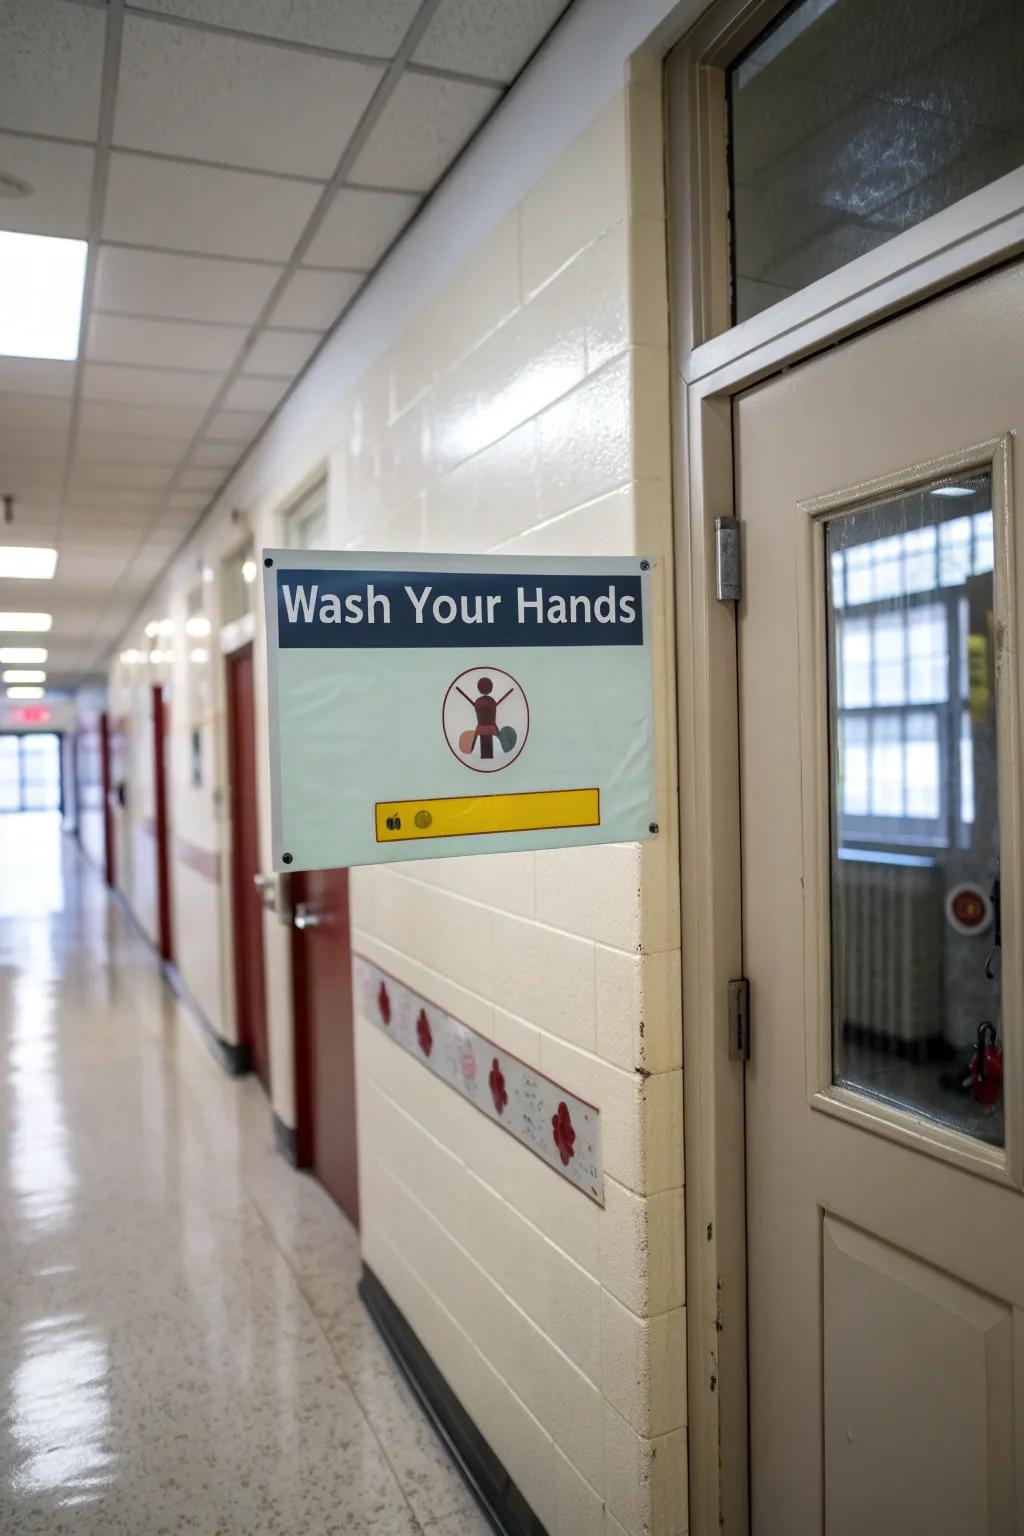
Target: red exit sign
[{"x": 31, "y": 714}]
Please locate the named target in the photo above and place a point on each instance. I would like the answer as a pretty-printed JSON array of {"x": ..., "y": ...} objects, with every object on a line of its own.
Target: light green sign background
[{"x": 351, "y": 727}]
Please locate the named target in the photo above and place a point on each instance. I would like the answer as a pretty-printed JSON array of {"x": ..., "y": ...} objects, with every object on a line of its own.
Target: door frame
[
  {"x": 245, "y": 1024},
  {"x": 164, "y": 923},
  {"x": 107, "y": 789},
  {"x": 710, "y": 365}
]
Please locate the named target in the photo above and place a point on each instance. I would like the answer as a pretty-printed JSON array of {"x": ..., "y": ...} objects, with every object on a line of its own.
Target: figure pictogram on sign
[{"x": 486, "y": 718}]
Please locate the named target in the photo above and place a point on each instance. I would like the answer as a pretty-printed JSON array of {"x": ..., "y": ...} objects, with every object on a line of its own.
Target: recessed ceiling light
[
  {"x": 14, "y": 655},
  {"x": 24, "y": 675},
  {"x": 26, "y": 693},
  {"x": 249, "y": 571},
  {"x": 953, "y": 490},
  {"x": 17, "y": 560},
  {"x": 197, "y": 626},
  {"x": 26, "y": 621},
  {"x": 41, "y": 283}
]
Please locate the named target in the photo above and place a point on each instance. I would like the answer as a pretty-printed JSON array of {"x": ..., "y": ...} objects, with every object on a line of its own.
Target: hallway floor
[{"x": 182, "y": 1347}]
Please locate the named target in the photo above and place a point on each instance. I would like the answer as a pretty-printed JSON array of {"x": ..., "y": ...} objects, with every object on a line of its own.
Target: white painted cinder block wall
[
  {"x": 526, "y": 410},
  {"x": 522, "y": 407}
]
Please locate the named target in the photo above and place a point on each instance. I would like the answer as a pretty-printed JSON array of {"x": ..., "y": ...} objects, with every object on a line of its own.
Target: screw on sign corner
[
  {"x": 286, "y": 858},
  {"x": 268, "y": 561}
]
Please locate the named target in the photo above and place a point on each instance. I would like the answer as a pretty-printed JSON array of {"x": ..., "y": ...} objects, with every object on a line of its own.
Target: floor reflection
[{"x": 183, "y": 1348}]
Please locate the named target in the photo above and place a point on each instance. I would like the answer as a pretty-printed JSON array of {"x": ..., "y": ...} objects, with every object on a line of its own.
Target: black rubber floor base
[{"x": 495, "y": 1492}]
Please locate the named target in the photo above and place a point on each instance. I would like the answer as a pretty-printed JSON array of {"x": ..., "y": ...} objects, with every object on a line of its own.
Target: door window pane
[
  {"x": 40, "y": 771},
  {"x": 853, "y": 120},
  {"x": 10, "y": 774},
  {"x": 915, "y": 842}
]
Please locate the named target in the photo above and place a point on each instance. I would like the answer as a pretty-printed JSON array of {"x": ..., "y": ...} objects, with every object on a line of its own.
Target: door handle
[
  {"x": 305, "y": 918},
  {"x": 266, "y": 889}
]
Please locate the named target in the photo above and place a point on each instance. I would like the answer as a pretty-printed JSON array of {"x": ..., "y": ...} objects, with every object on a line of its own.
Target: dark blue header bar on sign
[{"x": 416, "y": 609}]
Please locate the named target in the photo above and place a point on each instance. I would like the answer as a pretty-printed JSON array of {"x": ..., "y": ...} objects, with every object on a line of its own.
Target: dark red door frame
[
  {"x": 323, "y": 1022},
  {"x": 107, "y": 790},
  {"x": 161, "y": 723},
  {"x": 302, "y": 1030},
  {"x": 247, "y": 911}
]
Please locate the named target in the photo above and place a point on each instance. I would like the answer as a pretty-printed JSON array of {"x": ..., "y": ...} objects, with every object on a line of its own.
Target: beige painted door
[{"x": 880, "y": 753}]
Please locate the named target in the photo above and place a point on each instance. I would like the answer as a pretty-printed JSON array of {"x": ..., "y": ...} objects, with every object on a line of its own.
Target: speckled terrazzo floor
[{"x": 181, "y": 1345}]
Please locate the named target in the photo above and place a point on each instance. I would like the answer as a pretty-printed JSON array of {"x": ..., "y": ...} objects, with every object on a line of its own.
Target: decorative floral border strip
[{"x": 561, "y": 1128}]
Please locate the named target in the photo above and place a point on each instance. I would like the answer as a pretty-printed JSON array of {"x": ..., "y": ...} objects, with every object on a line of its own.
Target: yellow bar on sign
[{"x": 472, "y": 815}]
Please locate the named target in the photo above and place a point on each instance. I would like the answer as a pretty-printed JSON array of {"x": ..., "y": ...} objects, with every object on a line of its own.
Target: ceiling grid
[{"x": 238, "y": 169}]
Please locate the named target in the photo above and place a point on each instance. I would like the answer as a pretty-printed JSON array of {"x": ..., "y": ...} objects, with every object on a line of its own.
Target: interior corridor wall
[{"x": 524, "y": 409}]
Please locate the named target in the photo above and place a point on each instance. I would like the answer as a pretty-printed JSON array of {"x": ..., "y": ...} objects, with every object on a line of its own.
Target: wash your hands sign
[{"x": 424, "y": 706}]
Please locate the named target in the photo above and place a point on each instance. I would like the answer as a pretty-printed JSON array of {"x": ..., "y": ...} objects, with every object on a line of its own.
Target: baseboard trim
[
  {"x": 284, "y": 1140},
  {"x": 235, "y": 1059},
  {"x": 504, "y": 1506}
]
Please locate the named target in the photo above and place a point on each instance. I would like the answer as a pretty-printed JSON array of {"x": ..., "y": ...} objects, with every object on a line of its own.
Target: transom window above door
[{"x": 850, "y": 121}]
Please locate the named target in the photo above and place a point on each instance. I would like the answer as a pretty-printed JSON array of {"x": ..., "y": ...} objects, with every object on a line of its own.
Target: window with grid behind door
[{"x": 901, "y": 637}]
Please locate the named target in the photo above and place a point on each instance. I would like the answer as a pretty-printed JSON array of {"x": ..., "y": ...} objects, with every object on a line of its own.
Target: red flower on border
[
  {"x": 499, "y": 1093},
  {"x": 384, "y": 1004},
  {"x": 565, "y": 1136},
  {"x": 423, "y": 1033}
]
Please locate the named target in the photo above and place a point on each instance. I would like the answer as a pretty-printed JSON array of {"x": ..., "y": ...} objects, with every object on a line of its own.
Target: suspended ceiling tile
[
  {"x": 52, "y": 66},
  {"x": 256, "y": 394},
  {"x": 163, "y": 343},
  {"x": 236, "y": 426},
  {"x": 240, "y": 102},
  {"x": 139, "y": 420},
  {"x": 359, "y": 226},
  {"x": 111, "y": 477},
  {"x": 352, "y": 26},
  {"x": 193, "y": 208},
  {"x": 35, "y": 376},
  {"x": 35, "y": 413},
  {"x": 420, "y": 131},
  {"x": 116, "y": 448},
  {"x": 27, "y": 477},
  {"x": 117, "y": 507},
  {"x": 61, "y": 175},
  {"x": 149, "y": 386},
  {"x": 16, "y": 442},
  {"x": 200, "y": 479},
  {"x": 487, "y": 37},
  {"x": 182, "y": 287},
  {"x": 215, "y": 455},
  {"x": 281, "y": 352},
  {"x": 314, "y": 300},
  {"x": 187, "y": 501}
]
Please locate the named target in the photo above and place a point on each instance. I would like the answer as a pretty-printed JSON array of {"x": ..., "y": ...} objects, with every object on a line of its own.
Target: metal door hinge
[
  {"x": 728, "y": 566},
  {"x": 739, "y": 1019}
]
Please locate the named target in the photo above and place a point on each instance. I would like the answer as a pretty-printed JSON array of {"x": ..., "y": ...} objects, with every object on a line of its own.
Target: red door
[
  {"x": 250, "y": 998},
  {"x": 325, "y": 1053},
  {"x": 161, "y": 743}
]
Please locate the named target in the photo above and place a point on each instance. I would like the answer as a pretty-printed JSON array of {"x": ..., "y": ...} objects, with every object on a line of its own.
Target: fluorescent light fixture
[
  {"x": 130, "y": 658},
  {"x": 152, "y": 629},
  {"x": 29, "y": 564},
  {"x": 156, "y": 657},
  {"x": 197, "y": 626},
  {"x": 953, "y": 490},
  {"x": 249, "y": 571},
  {"x": 23, "y": 675},
  {"x": 165, "y": 627},
  {"x": 26, "y": 693},
  {"x": 199, "y": 654},
  {"x": 41, "y": 285},
  {"x": 26, "y": 621},
  {"x": 15, "y": 655}
]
